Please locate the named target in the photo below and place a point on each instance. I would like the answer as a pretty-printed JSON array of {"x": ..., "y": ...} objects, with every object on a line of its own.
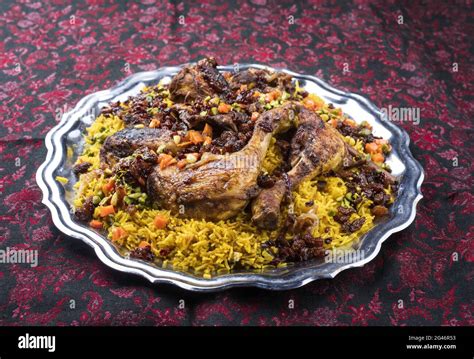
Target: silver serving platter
[{"x": 65, "y": 142}]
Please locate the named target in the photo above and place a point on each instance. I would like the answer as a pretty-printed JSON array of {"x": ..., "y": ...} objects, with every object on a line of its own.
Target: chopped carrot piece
[
  {"x": 195, "y": 137},
  {"x": 224, "y": 108},
  {"x": 371, "y": 148},
  {"x": 144, "y": 244},
  {"x": 96, "y": 224},
  {"x": 181, "y": 164},
  {"x": 165, "y": 160},
  {"x": 254, "y": 116},
  {"x": 256, "y": 94},
  {"x": 333, "y": 122},
  {"x": 272, "y": 95},
  {"x": 106, "y": 210},
  {"x": 160, "y": 221},
  {"x": 207, "y": 130},
  {"x": 118, "y": 233},
  {"x": 165, "y": 164},
  {"x": 378, "y": 158},
  {"x": 164, "y": 156},
  {"x": 108, "y": 187},
  {"x": 309, "y": 104}
]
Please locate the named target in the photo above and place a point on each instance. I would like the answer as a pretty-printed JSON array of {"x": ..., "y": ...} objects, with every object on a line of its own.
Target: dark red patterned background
[{"x": 52, "y": 54}]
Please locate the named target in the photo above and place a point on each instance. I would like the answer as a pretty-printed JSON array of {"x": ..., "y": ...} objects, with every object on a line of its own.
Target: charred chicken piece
[
  {"x": 219, "y": 186},
  {"x": 198, "y": 81},
  {"x": 125, "y": 142},
  {"x": 316, "y": 148}
]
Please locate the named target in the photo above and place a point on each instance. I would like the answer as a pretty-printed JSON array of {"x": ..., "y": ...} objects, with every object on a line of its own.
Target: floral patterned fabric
[{"x": 407, "y": 55}]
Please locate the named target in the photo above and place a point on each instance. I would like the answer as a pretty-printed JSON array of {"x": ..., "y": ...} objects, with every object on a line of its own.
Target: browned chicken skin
[
  {"x": 125, "y": 142},
  {"x": 219, "y": 186},
  {"x": 264, "y": 80},
  {"x": 316, "y": 148},
  {"x": 200, "y": 80}
]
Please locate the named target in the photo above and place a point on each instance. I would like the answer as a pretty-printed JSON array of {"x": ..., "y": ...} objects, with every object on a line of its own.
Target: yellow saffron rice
[{"x": 209, "y": 248}]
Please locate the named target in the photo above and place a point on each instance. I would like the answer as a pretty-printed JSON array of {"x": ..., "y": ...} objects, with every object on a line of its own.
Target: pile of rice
[{"x": 208, "y": 248}]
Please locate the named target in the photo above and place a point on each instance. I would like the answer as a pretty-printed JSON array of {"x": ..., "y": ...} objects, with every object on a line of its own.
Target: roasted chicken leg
[
  {"x": 315, "y": 148},
  {"x": 219, "y": 186}
]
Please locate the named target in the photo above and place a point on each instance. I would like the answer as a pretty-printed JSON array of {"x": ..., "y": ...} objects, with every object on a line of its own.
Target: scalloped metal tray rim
[{"x": 110, "y": 257}]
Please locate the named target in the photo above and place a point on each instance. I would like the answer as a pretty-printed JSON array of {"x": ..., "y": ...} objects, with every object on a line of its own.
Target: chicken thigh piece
[
  {"x": 316, "y": 148},
  {"x": 219, "y": 186}
]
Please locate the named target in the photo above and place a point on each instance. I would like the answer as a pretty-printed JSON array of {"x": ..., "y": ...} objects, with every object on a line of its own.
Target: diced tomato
[
  {"x": 160, "y": 221},
  {"x": 254, "y": 116}
]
